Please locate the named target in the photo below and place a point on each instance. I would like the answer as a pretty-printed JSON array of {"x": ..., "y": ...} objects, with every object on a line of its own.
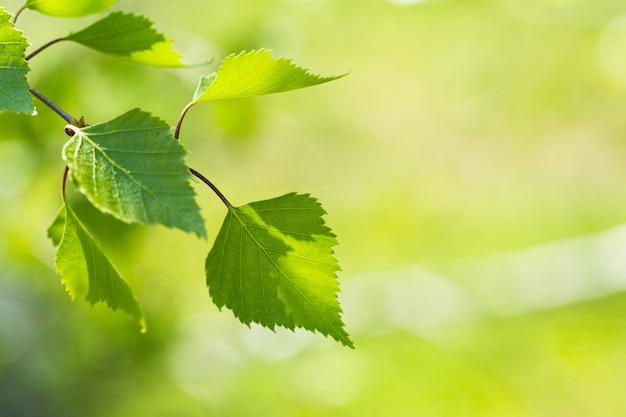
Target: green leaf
[
  {"x": 132, "y": 168},
  {"x": 129, "y": 36},
  {"x": 69, "y": 8},
  {"x": 255, "y": 73},
  {"x": 55, "y": 231},
  {"x": 119, "y": 33},
  {"x": 273, "y": 264},
  {"x": 85, "y": 269},
  {"x": 14, "y": 94}
]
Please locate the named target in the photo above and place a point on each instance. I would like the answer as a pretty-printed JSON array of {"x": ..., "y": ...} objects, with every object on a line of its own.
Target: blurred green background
[{"x": 472, "y": 165}]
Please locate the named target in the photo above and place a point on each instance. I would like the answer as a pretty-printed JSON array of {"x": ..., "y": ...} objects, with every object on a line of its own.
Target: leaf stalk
[
  {"x": 64, "y": 182},
  {"x": 212, "y": 186},
  {"x": 15, "y": 16},
  {"x": 193, "y": 171},
  {"x": 42, "y": 48},
  {"x": 181, "y": 118}
]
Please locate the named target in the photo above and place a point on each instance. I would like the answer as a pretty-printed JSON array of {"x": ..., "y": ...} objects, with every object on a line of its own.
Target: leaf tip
[{"x": 347, "y": 343}]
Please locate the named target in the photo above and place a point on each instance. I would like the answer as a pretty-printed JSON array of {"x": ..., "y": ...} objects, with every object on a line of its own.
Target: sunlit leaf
[
  {"x": 162, "y": 54},
  {"x": 132, "y": 168},
  {"x": 131, "y": 37},
  {"x": 255, "y": 73},
  {"x": 14, "y": 95},
  {"x": 86, "y": 271},
  {"x": 69, "y": 8},
  {"x": 273, "y": 264}
]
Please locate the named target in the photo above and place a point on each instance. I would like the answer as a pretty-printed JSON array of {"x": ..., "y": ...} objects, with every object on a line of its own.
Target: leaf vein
[
  {"x": 132, "y": 178},
  {"x": 281, "y": 272}
]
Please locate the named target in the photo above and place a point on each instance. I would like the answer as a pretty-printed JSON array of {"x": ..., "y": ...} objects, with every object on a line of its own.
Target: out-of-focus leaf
[
  {"x": 14, "y": 95},
  {"x": 129, "y": 36},
  {"x": 85, "y": 269},
  {"x": 132, "y": 168},
  {"x": 69, "y": 8},
  {"x": 273, "y": 264}
]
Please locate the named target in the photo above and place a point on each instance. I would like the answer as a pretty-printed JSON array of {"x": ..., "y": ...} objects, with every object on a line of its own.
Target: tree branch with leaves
[{"x": 272, "y": 262}]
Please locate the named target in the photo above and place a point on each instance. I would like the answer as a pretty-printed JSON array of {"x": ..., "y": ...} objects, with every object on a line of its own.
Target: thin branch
[
  {"x": 42, "y": 48},
  {"x": 53, "y": 106},
  {"x": 212, "y": 186}
]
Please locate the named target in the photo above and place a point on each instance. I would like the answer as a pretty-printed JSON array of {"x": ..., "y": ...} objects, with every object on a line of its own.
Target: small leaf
[
  {"x": 252, "y": 74},
  {"x": 14, "y": 94},
  {"x": 69, "y": 8},
  {"x": 272, "y": 263},
  {"x": 85, "y": 269},
  {"x": 129, "y": 36},
  {"x": 132, "y": 168}
]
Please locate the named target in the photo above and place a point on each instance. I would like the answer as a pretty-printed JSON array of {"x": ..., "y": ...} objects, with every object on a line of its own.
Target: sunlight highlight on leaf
[
  {"x": 273, "y": 264},
  {"x": 69, "y": 8},
  {"x": 162, "y": 54}
]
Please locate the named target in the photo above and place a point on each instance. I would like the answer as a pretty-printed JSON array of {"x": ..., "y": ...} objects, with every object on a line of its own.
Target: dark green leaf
[
  {"x": 255, "y": 73},
  {"x": 131, "y": 37},
  {"x": 14, "y": 95},
  {"x": 69, "y": 8},
  {"x": 132, "y": 168},
  {"x": 273, "y": 264},
  {"x": 85, "y": 269}
]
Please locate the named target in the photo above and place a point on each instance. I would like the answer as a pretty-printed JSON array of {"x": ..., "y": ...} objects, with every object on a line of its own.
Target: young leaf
[
  {"x": 85, "y": 269},
  {"x": 272, "y": 263},
  {"x": 69, "y": 8},
  {"x": 14, "y": 95},
  {"x": 131, "y": 37},
  {"x": 132, "y": 168},
  {"x": 255, "y": 73}
]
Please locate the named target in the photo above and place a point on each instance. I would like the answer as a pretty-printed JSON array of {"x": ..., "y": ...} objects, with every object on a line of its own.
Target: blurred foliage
[{"x": 472, "y": 168}]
